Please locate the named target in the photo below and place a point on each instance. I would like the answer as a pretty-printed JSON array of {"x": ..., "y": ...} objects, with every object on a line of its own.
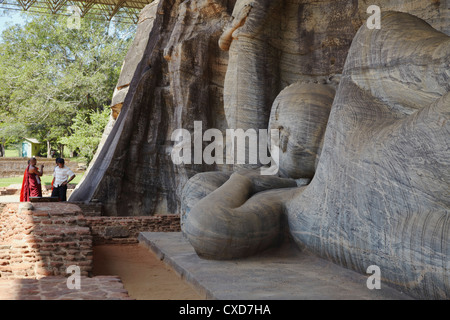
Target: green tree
[
  {"x": 50, "y": 73},
  {"x": 87, "y": 129}
]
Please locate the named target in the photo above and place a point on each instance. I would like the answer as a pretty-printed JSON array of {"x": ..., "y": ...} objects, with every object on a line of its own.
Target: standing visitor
[
  {"x": 31, "y": 184},
  {"x": 62, "y": 175},
  {"x": 56, "y": 165}
]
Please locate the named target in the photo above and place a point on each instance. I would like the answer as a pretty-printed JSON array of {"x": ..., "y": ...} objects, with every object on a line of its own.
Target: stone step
[{"x": 283, "y": 273}]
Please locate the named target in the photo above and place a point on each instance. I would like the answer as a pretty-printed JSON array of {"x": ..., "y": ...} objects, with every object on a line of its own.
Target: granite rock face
[
  {"x": 176, "y": 78},
  {"x": 379, "y": 195},
  {"x": 210, "y": 61},
  {"x": 300, "y": 112},
  {"x": 375, "y": 143}
]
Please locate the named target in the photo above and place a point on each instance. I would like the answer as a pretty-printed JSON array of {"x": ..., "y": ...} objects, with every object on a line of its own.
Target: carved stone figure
[
  {"x": 379, "y": 195},
  {"x": 364, "y": 161}
]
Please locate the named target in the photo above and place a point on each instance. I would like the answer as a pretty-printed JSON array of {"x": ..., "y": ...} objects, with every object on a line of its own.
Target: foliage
[
  {"x": 50, "y": 73},
  {"x": 87, "y": 131}
]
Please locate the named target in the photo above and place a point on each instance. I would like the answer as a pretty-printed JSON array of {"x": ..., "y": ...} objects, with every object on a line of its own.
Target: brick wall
[
  {"x": 123, "y": 230},
  {"x": 43, "y": 241},
  {"x": 90, "y": 209}
]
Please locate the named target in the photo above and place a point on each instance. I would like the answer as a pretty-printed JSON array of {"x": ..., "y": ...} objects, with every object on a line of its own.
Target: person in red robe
[{"x": 31, "y": 184}]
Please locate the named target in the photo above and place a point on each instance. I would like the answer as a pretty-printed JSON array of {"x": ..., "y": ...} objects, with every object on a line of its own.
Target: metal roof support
[
  {"x": 26, "y": 4},
  {"x": 123, "y": 10}
]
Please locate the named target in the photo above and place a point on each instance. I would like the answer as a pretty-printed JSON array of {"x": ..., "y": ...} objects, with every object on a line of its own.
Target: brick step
[
  {"x": 58, "y": 209},
  {"x": 58, "y": 214},
  {"x": 44, "y": 218}
]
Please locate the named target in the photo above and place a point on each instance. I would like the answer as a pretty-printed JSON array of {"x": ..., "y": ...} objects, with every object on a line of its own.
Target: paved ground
[
  {"x": 279, "y": 274},
  {"x": 9, "y": 199},
  {"x": 55, "y": 288},
  {"x": 121, "y": 272},
  {"x": 144, "y": 276}
]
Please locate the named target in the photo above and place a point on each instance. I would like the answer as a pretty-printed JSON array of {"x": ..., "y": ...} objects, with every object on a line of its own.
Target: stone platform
[{"x": 283, "y": 273}]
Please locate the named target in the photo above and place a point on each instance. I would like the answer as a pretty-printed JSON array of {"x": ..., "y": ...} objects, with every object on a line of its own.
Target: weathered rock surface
[
  {"x": 175, "y": 73},
  {"x": 129, "y": 67},
  {"x": 301, "y": 113},
  {"x": 226, "y": 225},
  {"x": 380, "y": 192},
  {"x": 380, "y": 189},
  {"x": 178, "y": 80}
]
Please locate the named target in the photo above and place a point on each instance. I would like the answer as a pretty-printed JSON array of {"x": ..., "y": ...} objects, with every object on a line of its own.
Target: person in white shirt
[{"x": 62, "y": 176}]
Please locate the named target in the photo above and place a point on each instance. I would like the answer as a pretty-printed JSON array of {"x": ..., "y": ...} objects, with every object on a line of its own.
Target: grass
[
  {"x": 46, "y": 180},
  {"x": 11, "y": 153}
]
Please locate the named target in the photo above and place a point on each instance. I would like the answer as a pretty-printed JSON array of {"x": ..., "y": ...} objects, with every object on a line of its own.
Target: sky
[{"x": 12, "y": 17}]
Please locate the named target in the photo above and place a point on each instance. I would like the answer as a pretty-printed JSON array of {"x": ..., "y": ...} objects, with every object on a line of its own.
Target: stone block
[{"x": 116, "y": 232}]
